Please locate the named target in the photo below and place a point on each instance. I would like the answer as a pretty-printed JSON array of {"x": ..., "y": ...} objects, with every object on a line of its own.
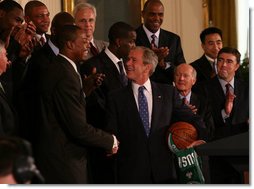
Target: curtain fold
[{"x": 222, "y": 14}]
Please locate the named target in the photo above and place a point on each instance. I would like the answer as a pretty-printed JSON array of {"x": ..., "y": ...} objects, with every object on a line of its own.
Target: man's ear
[
  {"x": 118, "y": 42},
  {"x": 69, "y": 45}
]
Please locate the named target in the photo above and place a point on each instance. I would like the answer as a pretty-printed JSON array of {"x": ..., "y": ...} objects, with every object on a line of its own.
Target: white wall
[{"x": 185, "y": 18}]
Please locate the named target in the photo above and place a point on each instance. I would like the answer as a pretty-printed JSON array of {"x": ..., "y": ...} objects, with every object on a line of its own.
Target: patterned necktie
[
  {"x": 229, "y": 99},
  {"x": 42, "y": 41},
  {"x": 93, "y": 49},
  {"x": 153, "y": 41},
  {"x": 184, "y": 100},
  {"x": 143, "y": 109},
  {"x": 123, "y": 77}
]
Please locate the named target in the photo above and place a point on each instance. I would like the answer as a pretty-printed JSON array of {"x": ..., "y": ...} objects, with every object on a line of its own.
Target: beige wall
[{"x": 184, "y": 17}]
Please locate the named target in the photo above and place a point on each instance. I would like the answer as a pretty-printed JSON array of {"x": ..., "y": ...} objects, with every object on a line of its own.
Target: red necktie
[
  {"x": 229, "y": 99},
  {"x": 42, "y": 41},
  {"x": 93, "y": 49}
]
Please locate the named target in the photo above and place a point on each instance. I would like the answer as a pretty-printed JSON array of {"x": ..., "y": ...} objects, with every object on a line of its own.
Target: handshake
[{"x": 114, "y": 147}]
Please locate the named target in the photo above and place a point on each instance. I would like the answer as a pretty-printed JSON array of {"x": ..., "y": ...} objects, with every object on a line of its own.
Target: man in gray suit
[{"x": 85, "y": 18}]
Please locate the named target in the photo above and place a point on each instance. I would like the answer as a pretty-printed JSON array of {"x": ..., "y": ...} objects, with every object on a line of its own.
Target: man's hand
[
  {"x": 161, "y": 52},
  {"x": 93, "y": 81},
  {"x": 229, "y": 103},
  {"x": 115, "y": 147}
]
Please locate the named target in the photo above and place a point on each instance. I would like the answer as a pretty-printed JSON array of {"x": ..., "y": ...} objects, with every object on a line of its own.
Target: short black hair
[
  {"x": 208, "y": 31},
  {"x": 119, "y": 30},
  {"x": 68, "y": 33},
  {"x": 233, "y": 51},
  {"x": 32, "y": 4},
  {"x": 9, "y": 5},
  {"x": 151, "y": 1}
]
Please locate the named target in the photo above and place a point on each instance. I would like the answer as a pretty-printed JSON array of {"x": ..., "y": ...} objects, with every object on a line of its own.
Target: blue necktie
[{"x": 143, "y": 109}]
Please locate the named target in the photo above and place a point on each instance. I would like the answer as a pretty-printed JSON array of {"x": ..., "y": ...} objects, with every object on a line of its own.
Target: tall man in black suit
[
  {"x": 64, "y": 133},
  {"x": 140, "y": 115},
  {"x": 230, "y": 108},
  {"x": 122, "y": 38},
  {"x": 211, "y": 43},
  {"x": 38, "y": 64},
  {"x": 165, "y": 44}
]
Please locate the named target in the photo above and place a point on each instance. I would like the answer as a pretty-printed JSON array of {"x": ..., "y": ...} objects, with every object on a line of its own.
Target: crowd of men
[{"x": 98, "y": 112}]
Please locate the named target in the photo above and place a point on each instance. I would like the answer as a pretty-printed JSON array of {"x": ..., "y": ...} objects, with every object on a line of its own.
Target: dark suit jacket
[
  {"x": 143, "y": 159},
  {"x": 203, "y": 68},
  {"x": 237, "y": 122},
  {"x": 205, "y": 111},
  {"x": 96, "y": 102},
  {"x": 36, "y": 67},
  {"x": 8, "y": 117},
  {"x": 64, "y": 132},
  {"x": 175, "y": 57}
]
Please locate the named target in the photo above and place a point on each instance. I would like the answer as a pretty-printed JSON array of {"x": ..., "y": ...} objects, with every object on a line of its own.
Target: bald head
[{"x": 185, "y": 78}]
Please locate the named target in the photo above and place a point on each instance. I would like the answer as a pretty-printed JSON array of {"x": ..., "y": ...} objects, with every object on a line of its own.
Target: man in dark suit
[
  {"x": 140, "y": 115},
  {"x": 185, "y": 78},
  {"x": 38, "y": 64},
  {"x": 85, "y": 17},
  {"x": 38, "y": 13},
  {"x": 8, "y": 119},
  {"x": 211, "y": 43},
  {"x": 230, "y": 109},
  {"x": 167, "y": 45},
  {"x": 64, "y": 133},
  {"x": 121, "y": 39}
]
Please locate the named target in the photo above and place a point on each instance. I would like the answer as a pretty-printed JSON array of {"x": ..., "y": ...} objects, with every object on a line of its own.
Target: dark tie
[
  {"x": 123, "y": 77},
  {"x": 42, "y": 41},
  {"x": 143, "y": 109},
  {"x": 184, "y": 100},
  {"x": 93, "y": 49},
  {"x": 213, "y": 72},
  {"x": 153, "y": 40}
]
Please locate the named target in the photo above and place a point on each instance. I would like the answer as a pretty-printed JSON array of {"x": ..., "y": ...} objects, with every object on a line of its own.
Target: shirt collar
[
  {"x": 187, "y": 96},
  {"x": 147, "y": 85},
  {"x": 70, "y": 61},
  {"x": 149, "y": 34},
  {"x": 53, "y": 47},
  {"x": 38, "y": 36},
  {"x": 112, "y": 56}
]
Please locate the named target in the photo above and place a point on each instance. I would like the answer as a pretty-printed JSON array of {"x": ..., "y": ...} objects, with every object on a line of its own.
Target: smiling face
[
  {"x": 153, "y": 16},
  {"x": 136, "y": 69},
  {"x": 212, "y": 45},
  {"x": 184, "y": 78},
  {"x": 227, "y": 66},
  {"x": 40, "y": 17},
  {"x": 81, "y": 45}
]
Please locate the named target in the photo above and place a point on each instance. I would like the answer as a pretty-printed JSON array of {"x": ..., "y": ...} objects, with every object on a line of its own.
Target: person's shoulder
[
  {"x": 101, "y": 44},
  {"x": 169, "y": 33},
  {"x": 197, "y": 61}
]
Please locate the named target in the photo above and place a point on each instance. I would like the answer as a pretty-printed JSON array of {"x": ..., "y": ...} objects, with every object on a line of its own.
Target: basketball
[{"x": 182, "y": 134}]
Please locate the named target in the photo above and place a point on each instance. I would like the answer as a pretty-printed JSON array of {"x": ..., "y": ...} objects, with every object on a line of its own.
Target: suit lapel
[{"x": 156, "y": 110}]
